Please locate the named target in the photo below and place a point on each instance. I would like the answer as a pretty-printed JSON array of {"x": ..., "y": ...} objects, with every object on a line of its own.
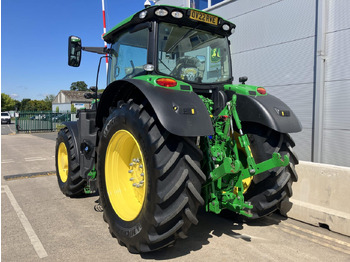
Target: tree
[
  {"x": 17, "y": 105},
  {"x": 48, "y": 100},
  {"x": 7, "y": 103},
  {"x": 73, "y": 109},
  {"x": 36, "y": 105},
  {"x": 24, "y": 104},
  {"x": 78, "y": 86}
]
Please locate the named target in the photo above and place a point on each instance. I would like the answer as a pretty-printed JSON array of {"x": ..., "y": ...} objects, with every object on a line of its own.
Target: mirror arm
[{"x": 98, "y": 50}]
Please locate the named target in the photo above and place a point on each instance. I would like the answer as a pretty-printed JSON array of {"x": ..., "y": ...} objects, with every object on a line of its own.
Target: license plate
[{"x": 203, "y": 17}]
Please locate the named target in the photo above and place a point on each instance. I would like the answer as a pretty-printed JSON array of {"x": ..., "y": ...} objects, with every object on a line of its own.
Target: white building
[
  {"x": 65, "y": 99},
  {"x": 299, "y": 50}
]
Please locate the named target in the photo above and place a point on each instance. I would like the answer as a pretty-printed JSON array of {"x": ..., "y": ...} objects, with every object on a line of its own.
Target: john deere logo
[{"x": 215, "y": 55}]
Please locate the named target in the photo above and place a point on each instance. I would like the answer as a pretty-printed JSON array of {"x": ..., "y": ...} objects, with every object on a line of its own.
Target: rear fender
[
  {"x": 180, "y": 112},
  {"x": 269, "y": 111}
]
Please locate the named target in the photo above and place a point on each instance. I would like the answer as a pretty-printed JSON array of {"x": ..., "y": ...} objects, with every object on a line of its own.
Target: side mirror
[
  {"x": 93, "y": 88},
  {"x": 74, "y": 51}
]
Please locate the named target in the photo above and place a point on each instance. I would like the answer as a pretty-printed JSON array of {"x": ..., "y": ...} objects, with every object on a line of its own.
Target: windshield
[{"x": 193, "y": 55}]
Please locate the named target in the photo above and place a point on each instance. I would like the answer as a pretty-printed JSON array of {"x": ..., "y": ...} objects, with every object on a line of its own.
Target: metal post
[{"x": 319, "y": 79}]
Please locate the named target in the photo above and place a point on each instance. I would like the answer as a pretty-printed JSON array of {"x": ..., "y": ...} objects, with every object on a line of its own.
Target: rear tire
[
  {"x": 67, "y": 165},
  {"x": 169, "y": 195},
  {"x": 269, "y": 189}
]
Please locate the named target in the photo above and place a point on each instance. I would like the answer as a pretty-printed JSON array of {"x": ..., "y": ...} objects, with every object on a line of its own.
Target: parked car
[
  {"x": 39, "y": 117},
  {"x": 61, "y": 118},
  {"x": 5, "y": 118}
]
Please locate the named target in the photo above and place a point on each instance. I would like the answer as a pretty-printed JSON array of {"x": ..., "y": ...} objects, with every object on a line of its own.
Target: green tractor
[{"x": 171, "y": 132}]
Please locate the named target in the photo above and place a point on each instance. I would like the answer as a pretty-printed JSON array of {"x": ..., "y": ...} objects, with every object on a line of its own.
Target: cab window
[{"x": 128, "y": 55}]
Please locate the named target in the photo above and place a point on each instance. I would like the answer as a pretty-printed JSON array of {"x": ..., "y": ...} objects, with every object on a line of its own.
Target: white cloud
[{"x": 14, "y": 95}]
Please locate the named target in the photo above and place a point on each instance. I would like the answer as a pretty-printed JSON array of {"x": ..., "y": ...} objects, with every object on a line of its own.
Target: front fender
[
  {"x": 181, "y": 113},
  {"x": 269, "y": 111}
]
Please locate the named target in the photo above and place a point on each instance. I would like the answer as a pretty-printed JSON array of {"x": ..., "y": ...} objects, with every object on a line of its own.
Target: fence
[{"x": 41, "y": 121}]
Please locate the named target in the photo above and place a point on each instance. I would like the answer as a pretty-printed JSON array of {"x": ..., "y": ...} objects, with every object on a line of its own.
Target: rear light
[
  {"x": 261, "y": 91},
  {"x": 166, "y": 82}
]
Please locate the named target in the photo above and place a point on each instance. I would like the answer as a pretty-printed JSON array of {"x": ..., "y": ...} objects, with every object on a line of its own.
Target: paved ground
[
  {"x": 8, "y": 129},
  {"x": 38, "y": 223}
]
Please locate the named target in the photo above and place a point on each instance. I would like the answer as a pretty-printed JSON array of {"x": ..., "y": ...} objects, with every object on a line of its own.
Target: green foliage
[
  {"x": 73, "y": 109},
  {"x": 7, "y": 103},
  {"x": 49, "y": 98},
  {"x": 24, "y": 104},
  {"x": 17, "y": 105},
  {"x": 78, "y": 86},
  {"x": 36, "y": 105},
  {"x": 57, "y": 109}
]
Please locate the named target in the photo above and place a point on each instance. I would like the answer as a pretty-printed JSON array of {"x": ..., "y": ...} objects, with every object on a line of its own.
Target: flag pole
[{"x": 104, "y": 30}]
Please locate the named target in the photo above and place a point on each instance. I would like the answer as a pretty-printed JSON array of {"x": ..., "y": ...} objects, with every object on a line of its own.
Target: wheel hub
[{"x": 136, "y": 172}]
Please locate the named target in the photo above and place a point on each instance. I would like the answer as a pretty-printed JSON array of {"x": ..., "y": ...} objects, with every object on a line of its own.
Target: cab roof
[{"x": 190, "y": 17}]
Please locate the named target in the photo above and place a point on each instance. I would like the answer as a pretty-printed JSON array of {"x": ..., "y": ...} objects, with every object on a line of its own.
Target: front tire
[
  {"x": 67, "y": 165},
  {"x": 149, "y": 180}
]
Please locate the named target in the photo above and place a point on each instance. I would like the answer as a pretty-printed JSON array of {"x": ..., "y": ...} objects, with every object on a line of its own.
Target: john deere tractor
[{"x": 171, "y": 133}]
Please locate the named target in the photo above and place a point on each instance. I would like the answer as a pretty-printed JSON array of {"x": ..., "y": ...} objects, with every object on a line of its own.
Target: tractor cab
[
  {"x": 184, "y": 44},
  {"x": 181, "y": 43}
]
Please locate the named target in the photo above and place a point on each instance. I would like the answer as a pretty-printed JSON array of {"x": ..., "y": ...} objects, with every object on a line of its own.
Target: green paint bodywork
[
  {"x": 243, "y": 89},
  {"x": 153, "y": 78},
  {"x": 125, "y": 21},
  {"x": 225, "y": 165},
  {"x": 91, "y": 177}
]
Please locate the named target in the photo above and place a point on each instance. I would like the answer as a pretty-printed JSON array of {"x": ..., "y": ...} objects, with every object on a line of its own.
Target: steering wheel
[{"x": 186, "y": 68}]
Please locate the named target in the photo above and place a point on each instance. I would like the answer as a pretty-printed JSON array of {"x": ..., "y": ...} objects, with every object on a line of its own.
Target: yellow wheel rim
[
  {"x": 62, "y": 159},
  {"x": 125, "y": 175}
]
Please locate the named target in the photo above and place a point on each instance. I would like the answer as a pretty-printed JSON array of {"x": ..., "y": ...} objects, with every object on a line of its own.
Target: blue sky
[{"x": 34, "y": 43}]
